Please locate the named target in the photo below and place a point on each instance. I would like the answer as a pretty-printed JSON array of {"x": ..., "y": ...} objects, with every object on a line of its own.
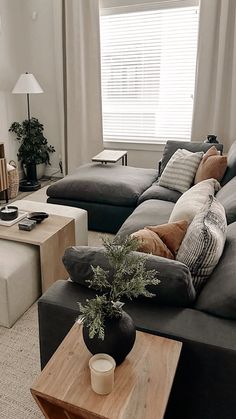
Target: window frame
[{"x": 111, "y": 7}]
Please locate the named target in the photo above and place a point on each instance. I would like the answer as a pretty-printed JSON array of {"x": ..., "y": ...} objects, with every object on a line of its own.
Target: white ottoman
[
  {"x": 20, "y": 282},
  {"x": 79, "y": 215}
]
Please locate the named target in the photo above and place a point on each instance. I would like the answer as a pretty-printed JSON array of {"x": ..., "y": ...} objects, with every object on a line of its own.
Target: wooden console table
[
  {"x": 142, "y": 382},
  {"x": 52, "y": 236}
]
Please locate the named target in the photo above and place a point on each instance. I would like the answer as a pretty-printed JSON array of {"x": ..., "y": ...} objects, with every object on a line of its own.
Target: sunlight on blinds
[{"x": 148, "y": 74}]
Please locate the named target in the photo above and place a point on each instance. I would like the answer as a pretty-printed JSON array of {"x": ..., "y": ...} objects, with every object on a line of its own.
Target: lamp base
[{"x": 29, "y": 185}]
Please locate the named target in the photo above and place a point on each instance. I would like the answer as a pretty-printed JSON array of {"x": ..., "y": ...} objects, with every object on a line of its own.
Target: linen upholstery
[
  {"x": 159, "y": 192},
  {"x": 171, "y": 234},
  {"x": 150, "y": 242},
  {"x": 180, "y": 171},
  {"x": 191, "y": 202},
  {"x": 204, "y": 242},
  {"x": 212, "y": 165}
]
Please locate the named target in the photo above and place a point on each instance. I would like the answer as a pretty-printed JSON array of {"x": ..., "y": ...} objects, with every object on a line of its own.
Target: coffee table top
[
  {"x": 109, "y": 156},
  {"x": 142, "y": 382},
  {"x": 39, "y": 234}
]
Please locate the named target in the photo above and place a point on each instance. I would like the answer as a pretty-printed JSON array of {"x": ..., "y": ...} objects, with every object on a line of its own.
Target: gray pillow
[
  {"x": 218, "y": 297},
  {"x": 175, "y": 288}
]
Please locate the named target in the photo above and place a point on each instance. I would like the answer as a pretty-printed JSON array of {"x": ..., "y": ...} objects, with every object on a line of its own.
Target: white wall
[
  {"x": 30, "y": 42},
  {"x": 27, "y": 43}
]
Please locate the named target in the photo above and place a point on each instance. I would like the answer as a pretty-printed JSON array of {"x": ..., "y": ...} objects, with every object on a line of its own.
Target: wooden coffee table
[
  {"x": 142, "y": 382},
  {"x": 52, "y": 236}
]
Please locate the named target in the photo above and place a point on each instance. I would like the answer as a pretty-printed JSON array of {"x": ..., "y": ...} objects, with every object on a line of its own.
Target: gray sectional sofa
[{"x": 204, "y": 385}]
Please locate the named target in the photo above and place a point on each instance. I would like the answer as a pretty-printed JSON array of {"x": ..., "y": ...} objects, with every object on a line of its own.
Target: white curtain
[
  {"x": 215, "y": 90},
  {"x": 82, "y": 82}
]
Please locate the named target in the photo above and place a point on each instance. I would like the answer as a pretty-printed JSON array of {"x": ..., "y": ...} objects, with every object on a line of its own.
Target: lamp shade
[{"x": 27, "y": 83}]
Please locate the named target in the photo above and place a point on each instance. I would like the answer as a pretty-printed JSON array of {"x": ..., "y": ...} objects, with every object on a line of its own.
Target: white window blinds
[{"x": 148, "y": 73}]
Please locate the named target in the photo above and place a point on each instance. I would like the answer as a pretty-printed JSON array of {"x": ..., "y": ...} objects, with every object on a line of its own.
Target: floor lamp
[{"x": 27, "y": 84}]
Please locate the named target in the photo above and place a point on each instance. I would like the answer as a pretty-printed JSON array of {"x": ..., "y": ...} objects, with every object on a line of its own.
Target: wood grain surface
[{"x": 142, "y": 382}]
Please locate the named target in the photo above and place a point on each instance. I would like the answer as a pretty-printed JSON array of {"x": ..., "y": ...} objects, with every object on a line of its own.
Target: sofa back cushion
[
  {"x": 171, "y": 147},
  {"x": 227, "y": 197},
  {"x": 231, "y": 165},
  {"x": 218, "y": 297},
  {"x": 175, "y": 288}
]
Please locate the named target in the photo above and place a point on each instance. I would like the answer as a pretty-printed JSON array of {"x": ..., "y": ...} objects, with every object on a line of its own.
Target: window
[{"x": 148, "y": 71}]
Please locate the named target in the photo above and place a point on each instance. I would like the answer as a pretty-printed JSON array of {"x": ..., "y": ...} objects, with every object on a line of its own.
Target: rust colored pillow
[
  {"x": 150, "y": 242},
  {"x": 171, "y": 234},
  {"x": 213, "y": 165}
]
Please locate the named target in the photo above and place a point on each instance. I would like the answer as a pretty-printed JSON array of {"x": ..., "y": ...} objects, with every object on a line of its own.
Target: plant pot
[
  {"x": 40, "y": 170},
  {"x": 120, "y": 334}
]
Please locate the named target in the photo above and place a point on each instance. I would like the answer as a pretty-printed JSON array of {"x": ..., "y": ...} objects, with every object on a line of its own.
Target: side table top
[
  {"x": 110, "y": 156},
  {"x": 142, "y": 382}
]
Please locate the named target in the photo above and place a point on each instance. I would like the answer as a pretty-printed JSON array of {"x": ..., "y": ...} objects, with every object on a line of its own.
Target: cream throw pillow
[
  {"x": 192, "y": 201},
  {"x": 180, "y": 170}
]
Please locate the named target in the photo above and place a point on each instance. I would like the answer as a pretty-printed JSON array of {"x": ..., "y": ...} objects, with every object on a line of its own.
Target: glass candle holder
[{"x": 102, "y": 367}]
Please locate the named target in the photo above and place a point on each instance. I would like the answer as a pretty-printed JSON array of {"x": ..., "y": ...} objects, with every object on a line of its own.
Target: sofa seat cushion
[
  {"x": 227, "y": 197},
  {"x": 218, "y": 297},
  {"x": 107, "y": 184},
  {"x": 175, "y": 287},
  {"x": 159, "y": 192},
  {"x": 151, "y": 212}
]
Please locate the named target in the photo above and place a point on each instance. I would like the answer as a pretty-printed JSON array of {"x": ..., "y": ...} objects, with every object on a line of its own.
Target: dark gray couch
[{"x": 205, "y": 379}]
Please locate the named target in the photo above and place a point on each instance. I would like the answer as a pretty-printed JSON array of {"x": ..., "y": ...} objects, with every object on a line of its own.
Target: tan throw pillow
[
  {"x": 150, "y": 242},
  {"x": 171, "y": 234},
  {"x": 213, "y": 165}
]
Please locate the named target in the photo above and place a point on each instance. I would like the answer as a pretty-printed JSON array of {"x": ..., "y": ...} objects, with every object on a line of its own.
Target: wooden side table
[
  {"x": 52, "y": 236},
  {"x": 142, "y": 382},
  {"x": 111, "y": 156}
]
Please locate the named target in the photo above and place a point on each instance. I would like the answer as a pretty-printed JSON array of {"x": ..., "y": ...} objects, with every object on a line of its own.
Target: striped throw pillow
[
  {"x": 180, "y": 171},
  {"x": 204, "y": 242}
]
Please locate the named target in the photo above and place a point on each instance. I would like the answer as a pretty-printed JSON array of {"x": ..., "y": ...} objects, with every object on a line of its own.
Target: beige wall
[{"x": 30, "y": 42}]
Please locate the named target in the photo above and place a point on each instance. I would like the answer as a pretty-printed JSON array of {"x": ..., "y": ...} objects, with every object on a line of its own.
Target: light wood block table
[
  {"x": 52, "y": 236},
  {"x": 142, "y": 382},
  {"x": 111, "y": 156}
]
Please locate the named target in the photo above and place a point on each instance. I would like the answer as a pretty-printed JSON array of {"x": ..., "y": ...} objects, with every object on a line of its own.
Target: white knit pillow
[
  {"x": 204, "y": 242},
  {"x": 180, "y": 170},
  {"x": 192, "y": 201}
]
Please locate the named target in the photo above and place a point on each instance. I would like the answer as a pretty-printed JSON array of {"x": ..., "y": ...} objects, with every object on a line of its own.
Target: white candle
[
  {"x": 6, "y": 209},
  {"x": 102, "y": 368}
]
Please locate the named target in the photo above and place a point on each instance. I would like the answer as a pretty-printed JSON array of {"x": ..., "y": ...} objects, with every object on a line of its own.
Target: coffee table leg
[{"x": 51, "y": 252}]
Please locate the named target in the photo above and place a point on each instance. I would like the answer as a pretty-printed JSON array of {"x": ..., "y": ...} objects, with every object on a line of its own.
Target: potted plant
[
  {"x": 34, "y": 148},
  {"x": 106, "y": 326}
]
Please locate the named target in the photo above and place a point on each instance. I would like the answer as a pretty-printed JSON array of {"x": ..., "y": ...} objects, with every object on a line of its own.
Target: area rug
[{"x": 19, "y": 361}]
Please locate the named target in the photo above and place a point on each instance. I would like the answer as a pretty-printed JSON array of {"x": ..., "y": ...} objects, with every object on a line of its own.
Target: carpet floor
[{"x": 19, "y": 362}]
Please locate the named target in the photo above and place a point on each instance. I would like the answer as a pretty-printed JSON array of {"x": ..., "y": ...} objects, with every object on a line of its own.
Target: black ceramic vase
[{"x": 120, "y": 334}]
